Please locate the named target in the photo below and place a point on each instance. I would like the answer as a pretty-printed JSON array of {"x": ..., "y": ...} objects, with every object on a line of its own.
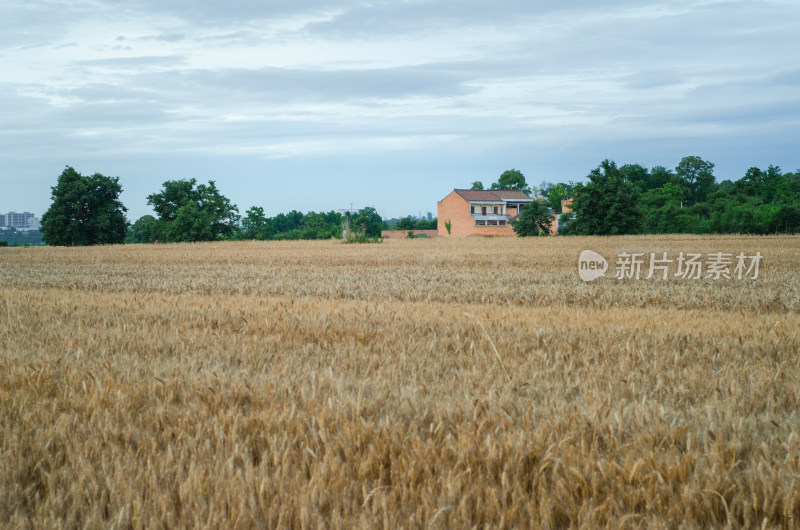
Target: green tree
[
  {"x": 775, "y": 185},
  {"x": 555, "y": 195},
  {"x": 637, "y": 175},
  {"x": 786, "y": 218},
  {"x": 512, "y": 179},
  {"x": 189, "y": 213},
  {"x": 143, "y": 230},
  {"x": 752, "y": 182},
  {"x": 86, "y": 210},
  {"x": 286, "y": 222},
  {"x": 477, "y": 185},
  {"x": 534, "y": 220},
  {"x": 662, "y": 212},
  {"x": 659, "y": 175},
  {"x": 423, "y": 224},
  {"x": 12, "y": 236},
  {"x": 606, "y": 205},
  {"x": 322, "y": 225},
  {"x": 697, "y": 178},
  {"x": 406, "y": 223},
  {"x": 255, "y": 225},
  {"x": 544, "y": 188},
  {"x": 370, "y": 220}
]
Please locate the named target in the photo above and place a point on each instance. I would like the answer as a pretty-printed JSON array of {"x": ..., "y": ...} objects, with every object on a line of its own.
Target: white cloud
[{"x": 312, "y": 86}]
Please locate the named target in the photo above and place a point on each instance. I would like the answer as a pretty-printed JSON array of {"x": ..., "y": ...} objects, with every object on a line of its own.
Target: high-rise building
[{"x": 20, "y": 221}]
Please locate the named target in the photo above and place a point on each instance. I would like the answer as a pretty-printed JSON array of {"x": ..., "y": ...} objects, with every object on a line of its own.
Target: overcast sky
[{"x": 314, "y": 105}]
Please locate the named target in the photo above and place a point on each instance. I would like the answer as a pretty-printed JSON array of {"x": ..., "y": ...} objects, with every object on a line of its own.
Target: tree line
[
  {"x": 86, "y": 210},
  {"x": 632, "y": 199},
  {"x": 627, "y": 199}
]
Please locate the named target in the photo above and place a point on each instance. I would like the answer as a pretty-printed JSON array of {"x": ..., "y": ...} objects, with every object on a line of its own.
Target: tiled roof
[{"x": 492, "y": 195}]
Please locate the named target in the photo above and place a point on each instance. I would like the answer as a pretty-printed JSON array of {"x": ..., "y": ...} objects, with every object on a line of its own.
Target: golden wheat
[{"x": 416, "y": 383}]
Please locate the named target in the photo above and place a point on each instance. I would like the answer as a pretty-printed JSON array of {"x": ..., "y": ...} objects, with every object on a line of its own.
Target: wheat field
[{"x": 411, "y": 384}]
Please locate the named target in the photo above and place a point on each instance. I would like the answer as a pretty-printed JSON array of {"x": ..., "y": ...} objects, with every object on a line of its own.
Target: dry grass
[{"x": 417, "y": 383}]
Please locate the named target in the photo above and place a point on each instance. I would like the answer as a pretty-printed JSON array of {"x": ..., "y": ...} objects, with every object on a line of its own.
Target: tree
[
  {"x": 422, "y": 224},
  {"x": 370, "y": 220},
  {"x": 534, "y": 220},
  {"x": 477, "y": 185},
  {"x": 659, "y": 175},
  {"x": 555, "y": 195},
  {"x": 512, "y": 179},
  {"x": 697, "y": 177},
  {"x": 752, "y": 181},
  {"x": 255, "y": 225},
  {"x": 606, "y": 205},
  {"x": 544, "y": 188},
  {"x": 189, "y": 213},
  {"x": 322, "y": 225},
  {"x": 661, "y": 210},
  {"x": 286, "y": 222},
  {"x": 406, "y": 223},
  {"x": 786, "y": 218},
  {"x": 143, "y": 230},
  {"x": 85, "y": 211},
  {"x": 773, "y": 181}
]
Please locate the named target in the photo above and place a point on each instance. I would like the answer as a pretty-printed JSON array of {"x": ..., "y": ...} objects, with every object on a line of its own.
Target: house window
[
  {"x": 483, "y": 210},
  {"x": 495, "y": 209},
  {"x": 502, "y": 222},
  {"x": 492, "y": 222},
  {"x": 472, "y": 210},
  {"x": 480, "y": 223}
]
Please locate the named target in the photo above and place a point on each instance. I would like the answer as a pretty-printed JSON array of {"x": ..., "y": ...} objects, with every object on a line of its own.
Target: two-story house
[{"x": 475, "y": 213}]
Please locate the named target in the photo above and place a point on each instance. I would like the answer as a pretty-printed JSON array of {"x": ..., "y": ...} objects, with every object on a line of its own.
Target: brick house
[{"x": 475, "y": 213}]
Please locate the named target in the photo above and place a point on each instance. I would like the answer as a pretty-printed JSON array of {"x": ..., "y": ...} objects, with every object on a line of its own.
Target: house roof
[{"x": 493, "y": 195}]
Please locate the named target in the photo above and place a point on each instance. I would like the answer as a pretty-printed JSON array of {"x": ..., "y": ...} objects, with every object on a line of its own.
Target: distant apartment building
[{"x": 20, "y": 221}]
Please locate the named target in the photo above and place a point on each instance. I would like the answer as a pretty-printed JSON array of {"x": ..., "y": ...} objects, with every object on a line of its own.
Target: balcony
[{"x": 490, "y": 217}]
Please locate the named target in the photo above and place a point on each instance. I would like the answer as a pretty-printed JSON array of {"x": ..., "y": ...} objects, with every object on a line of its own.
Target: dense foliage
[
  {"x": 292, "y": 225},
  {"x": 144, "y": 230},
  {"x": 511, "y": 179},
  {"x": 632, "y": 199},
  {"x": 13, "y": 237},
  {"x": 605, "y": 205},
  {"x": 193, "y": 213},
  {"x": 534, "y": 220},
  {"x": 628, "y": 199},
  {"x": 86, "y": 210},
  {"x": 409, "y": 223}
]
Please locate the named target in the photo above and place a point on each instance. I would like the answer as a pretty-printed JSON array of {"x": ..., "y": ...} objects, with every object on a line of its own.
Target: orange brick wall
[
  {"x": 455, "y": 208},
  {"x": 402, "y": 234}
]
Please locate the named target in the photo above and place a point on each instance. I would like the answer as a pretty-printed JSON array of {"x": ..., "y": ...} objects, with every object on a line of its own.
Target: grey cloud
[
  {"x": 39, "y": 23},
  {"x": 171, "y": 37},
  {"x": 789, "y": 77},
  {"x": 752, "y": 114},
  {"x": 214, "y": 12},
  {"x": 360, "y": 17},
  {"x": 649, "y": 79},
  {"x": 134, "y": 62},
  {"x": 122, "y": 114},
  {"x": 277, "y": 84}
]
